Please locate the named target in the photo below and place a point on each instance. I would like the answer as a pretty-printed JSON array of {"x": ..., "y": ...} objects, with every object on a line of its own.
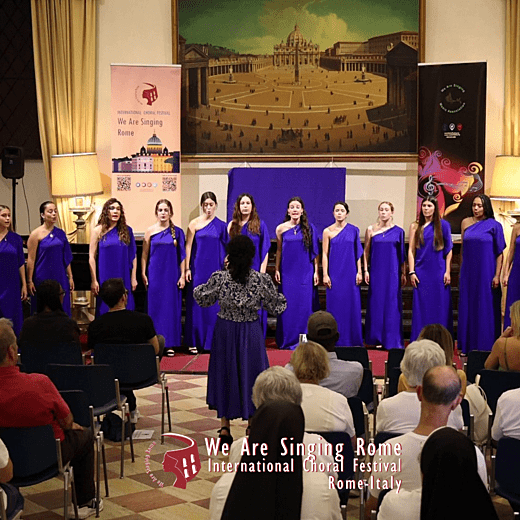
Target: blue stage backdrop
[{"x": 272, "y": 188}]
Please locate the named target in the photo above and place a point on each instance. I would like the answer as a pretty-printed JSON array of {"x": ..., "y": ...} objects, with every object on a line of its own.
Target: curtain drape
[
  {"x": 64, "y": 40},
  {"x": 512, "y": 87}
]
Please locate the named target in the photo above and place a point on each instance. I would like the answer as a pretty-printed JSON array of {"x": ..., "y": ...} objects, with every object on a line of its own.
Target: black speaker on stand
[{"x": 13, "y": 168}]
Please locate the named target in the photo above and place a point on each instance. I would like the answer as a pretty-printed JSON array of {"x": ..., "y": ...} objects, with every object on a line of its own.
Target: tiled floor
[{"x": 137, "y": 496}]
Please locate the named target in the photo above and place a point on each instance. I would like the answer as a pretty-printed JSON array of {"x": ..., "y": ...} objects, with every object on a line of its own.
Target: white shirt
[
  {"x": 405, "y": 505},
  {"x": 507, "y": 416},
  {"x": 325, "y": 410},
  {"x": 402, "y": 412},
  {"x": 410, "y": 474},
  {"x": 318, "y": 501},
  {"x": 4, "y": 460}
]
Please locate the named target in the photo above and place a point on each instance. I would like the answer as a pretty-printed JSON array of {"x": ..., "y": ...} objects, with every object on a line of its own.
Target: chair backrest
[
  {"x": 77, "y": 401},
  {"x": 382, "y": 437},
  {"x": 475, "y": 363},
  {"x": 393, "y": 381},
  {"x": 132, "y": 364},
  {"x": 366, "y": 390},
  {"x": 33, "y": 452},
  {"x": 395, "y": 356},
  {"x": 495, "y": 383},
  {"x": 36, "y": 356},
  {"x": 507, "y": 464},
  {"x": 358, "y": 414},
  {"x": 97, "y": 381},
  {"x": 359, "y": 354}
]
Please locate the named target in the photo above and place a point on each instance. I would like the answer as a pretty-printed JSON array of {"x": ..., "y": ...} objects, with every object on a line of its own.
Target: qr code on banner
[
  {"x": 124, "y": 183},
  {"x": 169, "y": 183}
]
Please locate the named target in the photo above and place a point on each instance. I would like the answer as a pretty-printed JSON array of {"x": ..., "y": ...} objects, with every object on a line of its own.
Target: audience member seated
[
  {"x": 279, "y": 384},
  {"x": 9, "y": 494},
  {"x": 440, "y": 335},
  {"x": 28, "y": 400},
  {"x": 451, "y": 486},
  {"x": 345, "y": 376},
  {"x": 505, "y": 354},
  {"x": 400, "y": 413},
  {"x": 438, "y": 395},
  {"x": 123, "y": 326},
  {"x": 324, "y": 410},
  {"x": 291, "y": 495},
  {"x": 507, "y": 416},
  {"x": 50, "y": 323}
]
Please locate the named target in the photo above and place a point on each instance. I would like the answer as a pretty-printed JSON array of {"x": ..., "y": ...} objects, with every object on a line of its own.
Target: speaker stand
[{"x": 13, "y": 213}]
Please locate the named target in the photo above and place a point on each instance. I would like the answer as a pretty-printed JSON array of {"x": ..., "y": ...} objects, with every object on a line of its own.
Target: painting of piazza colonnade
[{"x": 291, "y": 79}]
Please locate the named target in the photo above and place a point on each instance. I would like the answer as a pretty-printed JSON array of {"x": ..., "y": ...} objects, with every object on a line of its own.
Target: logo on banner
[
  {"x": 452, "y": 99},
  {"x": 146, "y": 93},
  {"x": 451, "y": 130}
]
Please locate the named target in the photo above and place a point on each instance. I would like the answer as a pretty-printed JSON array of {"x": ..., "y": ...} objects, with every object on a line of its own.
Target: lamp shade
[
  {"x": 505, "y": 184},
  {"x": 75, "y": 174}
]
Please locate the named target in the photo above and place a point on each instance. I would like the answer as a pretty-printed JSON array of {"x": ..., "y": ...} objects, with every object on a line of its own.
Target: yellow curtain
[
  {"x": 64, "y": 40},
  {"x": 512, "y": 87}
]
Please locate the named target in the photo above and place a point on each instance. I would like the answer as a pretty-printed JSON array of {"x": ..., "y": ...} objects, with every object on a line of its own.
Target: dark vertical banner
[{"x": 452, "y": 136}]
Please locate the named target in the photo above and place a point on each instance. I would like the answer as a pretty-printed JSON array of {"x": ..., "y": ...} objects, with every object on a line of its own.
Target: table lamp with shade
[
  {"x": 76, "y": 175},
  {"x": 505, "y": 184}
]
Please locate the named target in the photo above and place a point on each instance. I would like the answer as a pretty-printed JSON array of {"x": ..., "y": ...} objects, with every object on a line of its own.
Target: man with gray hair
[
  {"x": 438, "y": 396},
  {"x": 400, "y": 413}
]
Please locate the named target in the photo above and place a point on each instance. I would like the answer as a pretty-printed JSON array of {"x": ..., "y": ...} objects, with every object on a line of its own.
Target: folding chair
[
  {"x": 468, "y": 418},
  {"x": 36, "y": 457},
  {"x": 15, "y": 502},
  {"x": 360, "y": 416},
  {"x": 475, "y": 363},
  {"x": 136, "y": 366},
  {"x": 495, "y": 383},
  {"x": 36, "y": 356},
  {"x": 382, "y": 437},
  {"x": 392, "y": 384},
  {"x": 77, "y": 402},
  {"x": 102, "y": 391},
  {"x": 395, "y": 356},
  {"x": 359, "y": 354},
  {"x": 504, "y": 471}
]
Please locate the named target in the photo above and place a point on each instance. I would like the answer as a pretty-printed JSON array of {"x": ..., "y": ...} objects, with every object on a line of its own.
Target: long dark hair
[
  {"x": 104, "y": 221},
  {"x": 304, "y": 222},
  {"x": 486, "y": 204},
  {"x": 254, "y": 220},
  {"x": 172, "y": 226},
  {"x": 240, "y": 250},
  {"x": 438, "y": 239},
  {"x": 208, "y": 195}
]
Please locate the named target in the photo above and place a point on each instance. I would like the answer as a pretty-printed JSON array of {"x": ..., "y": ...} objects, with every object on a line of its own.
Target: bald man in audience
[{"x": 439, "y": 395}]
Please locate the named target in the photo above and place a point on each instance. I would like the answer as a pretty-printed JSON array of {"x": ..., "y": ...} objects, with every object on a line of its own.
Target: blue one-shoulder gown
[
  {"x": 53, "y": 256},
  {"x": 115, "y": 261},
  {"x": 207, "y": 256},
  {"x": 344, "y": 298},
  {"x": 513, "y": 284},
  {"x": 384, "y": 319},
  {"x": 479, "y": 303},
  {"x": 262, "y": 244},
  {"x": 11, "y": 259},
  {"x": 297, "y": 274},
  {"x": 164, "y": 271},
  {"x": 432, "y": 299}
]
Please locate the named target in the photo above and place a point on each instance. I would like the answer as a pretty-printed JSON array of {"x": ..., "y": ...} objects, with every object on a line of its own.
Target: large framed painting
[{"x": 285, "y": 79}]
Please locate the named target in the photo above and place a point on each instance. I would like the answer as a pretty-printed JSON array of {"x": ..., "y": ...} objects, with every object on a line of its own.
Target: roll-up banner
[
  {"x": 452, "y": 136},
  {"x": 146, "y": 139}
]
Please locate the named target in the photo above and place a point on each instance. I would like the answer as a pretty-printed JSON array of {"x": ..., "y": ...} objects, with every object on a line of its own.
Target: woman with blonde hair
[
  {"x": 505, "y": 354},
  {"x": 112, "y": 242},
  {"x": 164, "y": 246},
  {"x": 324, "y": 409},
  {"x": 384, "y": 260}
]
